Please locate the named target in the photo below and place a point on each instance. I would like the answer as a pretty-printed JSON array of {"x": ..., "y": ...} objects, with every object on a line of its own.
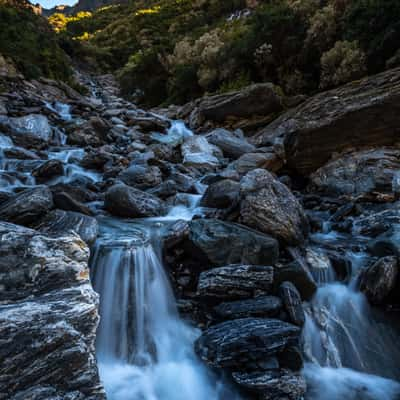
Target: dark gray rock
[
  {"x": 378, "y": 280},
  {"x": 274, "y": 384},
  {"x": 48, "y": 170},
  {"x": 125, "y": 201},
  {"x": 66, "y": 202},
  {"x": 28, "y": 206},
  {"x": 262, "y": 306},
  {"x": 270, "y": 207},
  {"x": 235, "y": 282},
  {"x": 141, "y": 176},
  {"x": 244, "y": 343},
  {"x": 221, "y": 194},
  {"x": 224, "y": 243},
  {"x": 292, "y": 303},
  {"x": 232, "y": 144},
  {"x": 59, "y": 223}
]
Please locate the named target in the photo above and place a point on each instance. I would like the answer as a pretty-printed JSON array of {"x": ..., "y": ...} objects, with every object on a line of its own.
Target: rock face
[
  {"x": 48, "y": 318},
  {"x": 26, "y": 207},
  {"x": 360, "y": 173},
  {"x": 255, "y": 100},
  {"x": 235, "y": 282},
  {"x": 269, "y": 206},
  {"x": 380, "y": 279},
  {"x": 58, "y": 223},
  {"x": 262, "y": 306},
  {"x": 273, "y": 384},
  {"x": 225, "y": 243},
  {"x": 363, "y": 113},
  {"x": 232, "y": 144},
  {"x": 245, "y": 343},
  {"x": 125, "y": 201}
]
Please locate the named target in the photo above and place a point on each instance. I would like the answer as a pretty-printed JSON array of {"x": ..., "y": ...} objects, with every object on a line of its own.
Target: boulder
[
  {"x": 261, "y": 306},
  {"x": 221, "y": 194},
  {"x": 26, "y": 207},
  {"x": 226, "y": 243},
  {"x": 267, "y": 205},
  {"x": 378, "y": 280},
  {"x": 198, "y": 153},
  {"x": 31, "y": 130},
  {"x": 48, "y": 318},
  {"x": 141, "y": 176},
  {"x": 232, "y": 144},
  {"x": 273, "y": 384},
  {"x": 245, "y": 343},
  {"x": 66, "y": 202},
  {"x": 124, "y": 201},
  {"x": 235, "y": 282},
  {"x": 363, "y": 113},
  {"x": 48, "y": 170},
  {"x": 58, "y": 223},
  {"x": 254, "y": 100},
  {"x": 292, "y": 303},
  {"x": 360, "y": 173}
]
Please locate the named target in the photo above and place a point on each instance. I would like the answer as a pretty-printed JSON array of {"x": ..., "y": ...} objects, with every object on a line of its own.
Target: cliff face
[{"x": 81, "y": 5}]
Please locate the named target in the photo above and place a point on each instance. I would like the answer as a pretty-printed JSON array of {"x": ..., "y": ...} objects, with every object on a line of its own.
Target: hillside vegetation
[
  {"x": 171, "y": 51},
  {"x": 28, "y": 40}
]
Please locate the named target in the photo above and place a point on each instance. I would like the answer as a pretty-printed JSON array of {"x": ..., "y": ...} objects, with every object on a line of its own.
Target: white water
[
  {"x": 145, "y": 351},
  {"x": 348, "y": 349},
  {"x": 176, "y": 134}
]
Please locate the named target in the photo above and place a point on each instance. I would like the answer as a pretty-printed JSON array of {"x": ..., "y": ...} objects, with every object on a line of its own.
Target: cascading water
[
  {"x": 145, "y": 351},
  {"x": 352, "y": 355}
]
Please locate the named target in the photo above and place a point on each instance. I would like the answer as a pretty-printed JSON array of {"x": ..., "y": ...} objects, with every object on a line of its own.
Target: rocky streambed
[{"x": 237, "y": 256}]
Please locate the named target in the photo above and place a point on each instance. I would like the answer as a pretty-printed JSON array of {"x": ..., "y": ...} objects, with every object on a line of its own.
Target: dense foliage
[
  {"x": 28, "y": 40},
  {"x": 171, "y": 51}
]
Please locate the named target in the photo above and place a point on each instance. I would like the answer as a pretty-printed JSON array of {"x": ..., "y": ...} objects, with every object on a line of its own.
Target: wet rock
[
  {"x": 28, "y": 206},
  {"x": 198, "y": 153},
  {"x": 378, "y": 280},
  {"x": 269, "y": 206},
  {"x": 294, "y": 272},
  {"x": 359, "y": 173},
  {"x": 261, "y": 306},
  {"x": 226, "y": 243},
  {"x": 125, "y": 201},
  {"x": 361, "y": 113},
  {"x": 235, "y": 282},
  {"x": 148, "y": 123},
  {"x": 232, "y": 144},
  {"x": 48, "y": 317},
  {"x": 141, "y": 176},
  {"x": 292, "y": 303},
  {"x": 244, "y": 343},
  {"x": 95, "y": 160},
  {"x": 48, "y": 170},
  {"x": 273, "y": 384},
  {"x": 29, "y": 131},
  {"x": 66, "y": 202},
  {"x": 222, "y": 194},
  {"x": 90, "y": 133},
  {"x": 19, "y": 153},
  {"x": 58, "y": 223},
  {"x": 257, "y": 99},
  {"x": 291, "y": 358}
]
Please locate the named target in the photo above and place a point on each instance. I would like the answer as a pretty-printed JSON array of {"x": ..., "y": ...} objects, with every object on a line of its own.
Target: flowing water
[{"x": 351, "y": 353}]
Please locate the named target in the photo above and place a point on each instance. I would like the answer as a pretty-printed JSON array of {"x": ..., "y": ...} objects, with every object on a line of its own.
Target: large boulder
[
  {"x": 378, "y": 280},
  {"x": 59, "y": 223},
  {"x": 361, "y": 113},
  {"x": 31, "y": 130},
  {"x": 26, "y": 207},
  {"x": 245, "y": 343},
  {"x": 232, "y": 144},
  {"x": 48, "y": 317},
  {"x": 270, "y": 207},
  {"x": 235, "y": 282},
  {"x": 141, "y": 176},
  {"x": 221, "y": 194},
  {"x": 255, "y": 100},
  {"x": 360, "y": 173},
  {"x": 125, "y": 201},
  {"x": 273, "y": 384},
  {"x": 225, "y": 243}
]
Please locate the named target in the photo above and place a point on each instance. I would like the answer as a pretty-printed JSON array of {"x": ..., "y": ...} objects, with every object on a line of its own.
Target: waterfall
[
  {"x": 144, "y": 350},
  {"x": 351, "y": 354}
]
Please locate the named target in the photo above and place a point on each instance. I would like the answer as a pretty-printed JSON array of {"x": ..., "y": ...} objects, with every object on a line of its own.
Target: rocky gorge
[{"x": 243, "y": 246}]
